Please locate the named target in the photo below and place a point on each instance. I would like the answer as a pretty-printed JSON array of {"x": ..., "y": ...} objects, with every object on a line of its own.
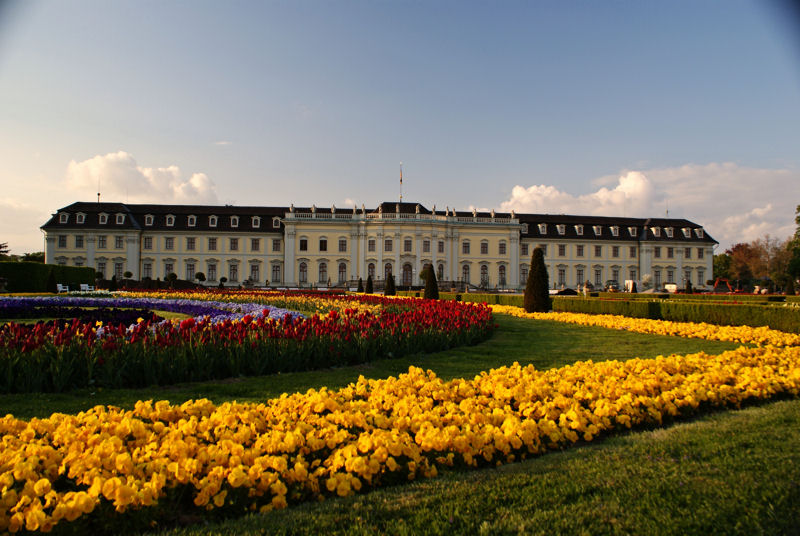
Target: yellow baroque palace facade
[{"x": 315, "y": 246}]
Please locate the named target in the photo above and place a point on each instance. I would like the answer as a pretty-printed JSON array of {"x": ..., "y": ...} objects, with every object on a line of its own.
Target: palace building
[{"x": 294, "y": 246}]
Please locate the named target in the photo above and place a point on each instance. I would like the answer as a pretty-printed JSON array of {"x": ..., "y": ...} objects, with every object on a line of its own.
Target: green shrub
[
  {"x": 537, "y": 293},
  {"x": 431, "y": 286},
  {"x": 33, "y": 276}
]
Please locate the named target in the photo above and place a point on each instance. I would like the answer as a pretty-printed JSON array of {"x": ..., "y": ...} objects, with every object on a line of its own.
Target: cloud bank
[
  {"x": 734, "y": 203},
  {"x": 121, "y": 178}
]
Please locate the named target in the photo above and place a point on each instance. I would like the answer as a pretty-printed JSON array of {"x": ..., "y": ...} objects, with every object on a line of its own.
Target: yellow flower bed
[
  {"x": 761, "y": 335},
  {"x": 324, "y": 442}
]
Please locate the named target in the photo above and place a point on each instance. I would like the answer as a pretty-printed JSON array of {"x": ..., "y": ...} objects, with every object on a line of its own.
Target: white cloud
[
  {"x": 223, "y": 142},
  {"x": 20, "y": 223},
  {"x": 734, "y": 203},
  {"x": 120, "y": 178}
]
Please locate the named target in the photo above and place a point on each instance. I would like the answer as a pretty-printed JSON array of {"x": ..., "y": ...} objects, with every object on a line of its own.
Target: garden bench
[
  {"x": 62, "y": 288},
  {"x": 87, "y": 288}
]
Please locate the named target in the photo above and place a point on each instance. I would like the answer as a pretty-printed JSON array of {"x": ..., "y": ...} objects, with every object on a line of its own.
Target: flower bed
[{"x": 249, "y": 341}]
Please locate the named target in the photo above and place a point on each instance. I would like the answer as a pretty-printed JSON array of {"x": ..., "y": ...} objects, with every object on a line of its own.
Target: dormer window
[
  {"x": 699, "y": 232},
  {"x": 579, "y": 230},
  {"x": 656, "y": 231},
  {"x": 63, "y": 217},
  {"x": 120, "y": 219},
  {"x": 234, "y": 221},
  {"x": 524, "y": 228},
  {"x": 614, "y": 230},
  {"x": 80, "y": 217},
  {"x": 669, "y": 231},
  {"x": 256, "y": 221},
  {"x": 633, "y": 231},
  {"x": 542, "y": 228},
  {"x": 103, "y": 218},
  {"x": 561, "y": 229},
  {"x": 148, "y": 220},
  {"x": 212, "y": 221},
  {"x": 598, "y": 229},
  {"x": 191, "y": 221},
  {"x": 687, "y": 232},
  {"x": 170, "y": 220},
  {"x": 276, "y": 223}
]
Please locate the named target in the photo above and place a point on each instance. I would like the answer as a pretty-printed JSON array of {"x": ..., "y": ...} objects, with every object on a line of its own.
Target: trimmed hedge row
[
  {"x": 33, "y": 276},
  {"x": 699, "y": 297}
]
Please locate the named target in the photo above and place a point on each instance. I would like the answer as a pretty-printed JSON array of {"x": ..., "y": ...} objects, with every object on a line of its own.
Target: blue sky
[{"x": 576, "y": 107}]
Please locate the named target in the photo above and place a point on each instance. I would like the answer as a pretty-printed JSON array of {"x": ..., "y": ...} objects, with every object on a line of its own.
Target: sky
[{"x": 685, "y": 108}]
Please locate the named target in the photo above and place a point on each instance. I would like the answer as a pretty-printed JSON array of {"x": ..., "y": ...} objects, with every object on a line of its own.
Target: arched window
[
  {"x": 502, "y": 273},
  {"x": 342, "y": 272},
  {"x": 523, "y": 274},
  {"x": 276, "y": 273},
  {"x": 407, "y": 275},
  {"x": 371, "y": 270},
  {"x": 465, "y": 273},
  {"x": 303, "y": 272},
  {"x": 440, "y": 275},
  {"x": 484, "y": 275},
  {"x": 323, "y": 272},
  {"x": 387, "y": 270}
]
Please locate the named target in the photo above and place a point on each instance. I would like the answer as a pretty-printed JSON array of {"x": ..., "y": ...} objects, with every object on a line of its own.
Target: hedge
[{"x": 33, "y": 276}]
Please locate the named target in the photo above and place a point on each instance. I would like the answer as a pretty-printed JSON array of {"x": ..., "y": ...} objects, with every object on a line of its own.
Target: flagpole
[{"x": 401, "y": 182}]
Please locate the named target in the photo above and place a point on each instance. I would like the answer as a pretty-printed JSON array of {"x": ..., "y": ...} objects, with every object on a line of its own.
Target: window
[
  {"x": 80, "y": 218},
  {"x": 542, "y": 228},
  {"x": 342, "y": 272},
  {"x": 371, "y": 270},
  {"x": 342, "y": 245},
  {"x": 632, "y": 273},
  {"x": 276, "y": 273},
  {"x": 484, "y": 275},
  {"x": 148, "y": 220},
  {"x": 579, "y": 230},
  {"x": 234, "y": 244},
  {"x": 701, "y": 276},
  {"x": 656, "y": 231},
  {"x": 276, "y": 224},
  {"x": 212, "y": 221},
  {"x": 78, "y": 241},
  {"x": 255, "y": 244},
  {"x": 169, "y": 243},
  {"x": 190, "y": 271},
  {"x": 119, "y": 242},
  {"x": 371, "y": 245},
  {"x": 524, "y": 249},
  {"x": 276, "y": 244},
  {"x": 212, "y": 244},
  {"x": 101, "y": 242},
  {"x": 687, "y": 232},
  {"x": 170, "y": 221},
  {"x": 687, "y": 276},
  {"x": 120, "y": 219},
  {"x": 212, "y": 272},
  {"x": 191, "y": 221},
  {"x": 254, "y": 272},
  {"x": 387, "y": 244},
  {"x": 700, "y": 252},
  {"x": 441, "y": 246},
  {"x": 562, "y": 277},
  {"x": 407, "y": 245},
  {"x": 579, "y": 250},
  {"x": 598, "y": 277},
  {"x": 670, "y": 253},
  {"x": 256, "y": 223},
  {"x": 523, "y": 274},
  {"x": 543, "y": 247},
  {"x": 465, "y": 273},
  {"x": 598, "y": 229},
  {"x": 323, "y": 244},
  {"x": 63, "y": 217},
  {"x": 561, "y": 229},
  {"x": 147, "y": 270},
  {"x": 615, "y": 274},
  {"x": 657, "y": 278},
  {"x": 168, "y": 268},
  {"x": 323, "y": 273},
  {"x": 598, "y": 251},
  {"x": 501, "y": 249},
  {"x": 524, "y": 228},
  {"x": 190, "y": 244},
  {"x": 632, "y": 252},
  {"x": 103, "y": 219},
  {"x": 234, "y": 221},
  {"x": 387, "y": 270},
  {"x": 426, "y": 246},
  {"x": 118, "y": 270},
  {"x": 670, "y": 276},
  {"x": 615, "y": 253},
  {"x": 465, "y": 248},
  {"x": 303, "y": 273},
  {"x": 233, "y": 273},
  {"x": 62, "y": 241},
  {"x": 699, "y": 232},
  {"x": 484, "y": 248},
  {"x": 687, "y": 253},
  {"x": 668, "y": 231},
  {"x": 147, "y": 243},
  {"x": 562, "y": 250},
  {"x": 657, "y": 252},
  {"x": 632, "y": 231},
  {"x": 440, "y": 274},
  {"x": 579, "y": 275},
  {"x": 303, "y": 244},
  {"x": 614, "y": 230}
]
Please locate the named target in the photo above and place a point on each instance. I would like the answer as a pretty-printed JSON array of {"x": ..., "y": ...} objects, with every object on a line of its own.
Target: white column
[
  {"x": 512, "y": 278},
  {"x": 132, "y": 254},
  {"x": 417, "y": 261},
  {"x": 380, "y": 245},
  {"x": 362, "y": 251},
  {"x": 398, "y": 271},
  {"x": 90, "y": 245},
  {"x": 289, "y": 269},
  {"x": 354, "y": 264},
  {"x": 50, "y": 249}
]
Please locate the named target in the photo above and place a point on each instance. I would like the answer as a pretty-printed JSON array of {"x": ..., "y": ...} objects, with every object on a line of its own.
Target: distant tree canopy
[{"x": 4, "y": 248}]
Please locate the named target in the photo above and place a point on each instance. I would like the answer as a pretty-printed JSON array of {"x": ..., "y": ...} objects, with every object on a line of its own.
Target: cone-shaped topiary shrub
[
  {"x": 431, "y": 286},
  {"x": 537, "y": 295}
]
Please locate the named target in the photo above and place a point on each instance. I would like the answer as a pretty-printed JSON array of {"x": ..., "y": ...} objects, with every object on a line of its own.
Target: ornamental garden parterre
[{"x": 145, "y": 463}]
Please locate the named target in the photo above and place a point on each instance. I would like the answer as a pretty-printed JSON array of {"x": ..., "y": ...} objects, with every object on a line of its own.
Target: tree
[
  {"x": 127, "y": 275},
  {"x": 389, "y": 290},
  {"x": 537, "y": 295},
  {"x": 431, "y": 285},
  {"x": 200, "y": 276},
  {"x": 222, "y": 281},
  {"x": 4, "y": 248},
  {"x": 722, "y": 266},
  {"x": 368, "y": 289},
  {"x": 360, "y": 285}
]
